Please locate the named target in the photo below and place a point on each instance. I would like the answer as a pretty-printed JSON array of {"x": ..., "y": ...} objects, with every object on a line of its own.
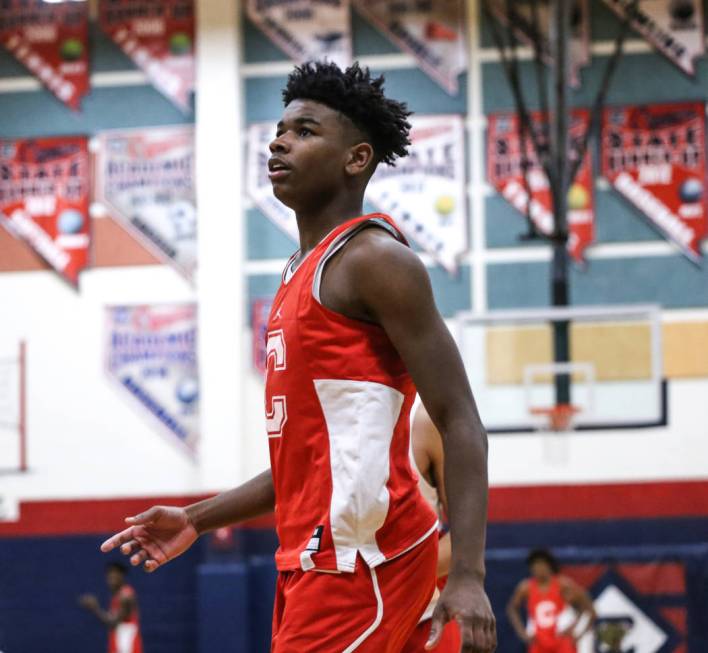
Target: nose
[{"x": 279, "y": 144}]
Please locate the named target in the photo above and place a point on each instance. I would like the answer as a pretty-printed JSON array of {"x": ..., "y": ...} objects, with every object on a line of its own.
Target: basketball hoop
[{"x": 558, "y": 418}]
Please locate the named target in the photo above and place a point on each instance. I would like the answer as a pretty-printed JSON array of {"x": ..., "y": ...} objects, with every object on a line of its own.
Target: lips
[{"x": 277, "y": 168}]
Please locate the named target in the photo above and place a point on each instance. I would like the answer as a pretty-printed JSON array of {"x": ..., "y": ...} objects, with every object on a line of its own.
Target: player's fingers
[
  {"x": 129, "y": 547},
  {"x": 437, "y": 623},
  {"x": 118, "y": 539},
  {"x": 147, "y": 517},
  {"x": 139, "y": 557},
  {"x": 151, "y": 565}
]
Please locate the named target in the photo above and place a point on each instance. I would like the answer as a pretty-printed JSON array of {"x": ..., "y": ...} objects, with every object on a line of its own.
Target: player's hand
[
  {"x": 154, "y": 537},
  {"x": 465, "y": 600},
  {"x": 88, "y": 601}
]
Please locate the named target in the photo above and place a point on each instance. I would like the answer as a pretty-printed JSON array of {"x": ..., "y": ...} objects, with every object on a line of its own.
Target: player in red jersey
[
  {"x": 121, "y": 618},
  {"x": 352, "y": 333},
  {"x": 428, "y": 460},
  {"x": 548, "y": 595}
]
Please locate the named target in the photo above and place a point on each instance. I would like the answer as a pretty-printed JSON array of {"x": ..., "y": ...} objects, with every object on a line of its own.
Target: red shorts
[
  {"x": 558, "y": 645},
  {"x": 368, "y": 611},
  {"x": 450, "y": 642}
]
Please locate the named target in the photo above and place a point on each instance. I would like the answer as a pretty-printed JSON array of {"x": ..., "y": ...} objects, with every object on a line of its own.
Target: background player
[
  {"x": 353, "y": 325},
  {"x": 121, "y": 618},
  {"x": 547, "y": 594},
  {"x": 427, "y": 458}
]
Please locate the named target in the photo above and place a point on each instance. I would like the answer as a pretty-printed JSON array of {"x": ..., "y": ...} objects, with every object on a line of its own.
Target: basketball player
[
  {"x": 121, "y": 619},
  {"x": 352, "y": 332},
  {"x": 427, "y": 460},
  {"x": 547, "y": 595}
]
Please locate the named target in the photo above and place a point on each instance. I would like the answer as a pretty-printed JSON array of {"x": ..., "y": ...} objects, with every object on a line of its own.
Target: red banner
[
  {"x": 158, "y": 35},
  {"x": 504, "y": 172},
  {"x": 655, "y": 157},
  {"x": 44, "y": 199},
  {"x": 50, "y": 39}
]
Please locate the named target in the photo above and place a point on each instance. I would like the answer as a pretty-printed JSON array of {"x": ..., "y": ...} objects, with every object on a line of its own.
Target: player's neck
[{"x": 314, "y": 223}]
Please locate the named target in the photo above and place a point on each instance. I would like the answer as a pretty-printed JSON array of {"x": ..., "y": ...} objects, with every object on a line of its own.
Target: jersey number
[{"x": 276, "y": 409}]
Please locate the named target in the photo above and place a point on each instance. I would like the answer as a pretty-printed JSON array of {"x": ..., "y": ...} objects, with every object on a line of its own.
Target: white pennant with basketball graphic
[
  {"x": 306, "y": 30},
  {"x": 674, "y": 27},
  {"x": 424, "y": 192},
  {"x": 433, "y": 32}
]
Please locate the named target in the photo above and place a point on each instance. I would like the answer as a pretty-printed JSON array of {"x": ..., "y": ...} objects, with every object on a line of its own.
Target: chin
[{"x": 283, "y": 196}]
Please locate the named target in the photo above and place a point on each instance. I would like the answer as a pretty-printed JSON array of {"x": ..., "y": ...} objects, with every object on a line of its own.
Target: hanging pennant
[
  {"x": 44, "y": 191},
  {"x": 655, "y": 157},
  {"x": 50, "y": 39},
  {"x": 144, "y": 179},
  {"x": 424, "y": 192},
  {"x": 151, "y": 354},
  {"x": 159, "y": 37},
  {"x": 306, "y": 30},
  {"x": 505, "y": 174},
  {"x": 673, "y": 27},
  {"x": 433, "y": 32},
  {"x": 531, "y": 23}
]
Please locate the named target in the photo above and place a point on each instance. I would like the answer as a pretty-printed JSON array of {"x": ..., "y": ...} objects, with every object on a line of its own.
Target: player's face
[
  {"x": 541, "y": 570},
  {"x": 308, "y": 154},
  {"x": 114, "y": 579}
]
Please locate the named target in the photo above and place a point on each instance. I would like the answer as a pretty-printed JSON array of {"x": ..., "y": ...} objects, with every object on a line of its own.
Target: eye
[{"x": 304, "y": 131}]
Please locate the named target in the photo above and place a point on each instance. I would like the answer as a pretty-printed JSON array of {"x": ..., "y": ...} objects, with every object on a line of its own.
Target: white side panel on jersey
[{"x": 360, "y": 417}]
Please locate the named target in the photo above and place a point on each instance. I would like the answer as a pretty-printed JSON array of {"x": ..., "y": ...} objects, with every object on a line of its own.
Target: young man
[
  {"x": 121, "y": 618},
  {"x": 547, "y": 595},
  {"x": 352, "y": 332},
  {"x": 427, "y": 459}
]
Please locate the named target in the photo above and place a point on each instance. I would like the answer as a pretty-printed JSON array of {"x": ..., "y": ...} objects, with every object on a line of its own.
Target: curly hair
[
  {"x": 546, "y": 556},
  {"x": 360, "y": 97}
]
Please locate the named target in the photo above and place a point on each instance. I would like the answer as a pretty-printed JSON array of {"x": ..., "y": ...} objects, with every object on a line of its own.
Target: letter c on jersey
[
  {"x": 276, "y": 409},
  {"x": 546, "y": 614}
]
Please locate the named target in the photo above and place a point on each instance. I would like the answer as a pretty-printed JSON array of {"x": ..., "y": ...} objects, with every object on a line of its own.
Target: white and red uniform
[
  {"x": 545, "y": 608},
  {"x": 338, "y": 399},
  {"x": 125, "y": 637}
]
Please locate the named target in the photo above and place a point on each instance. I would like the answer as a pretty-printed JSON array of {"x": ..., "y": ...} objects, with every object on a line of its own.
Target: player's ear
[{"x": 359, "y": 159}]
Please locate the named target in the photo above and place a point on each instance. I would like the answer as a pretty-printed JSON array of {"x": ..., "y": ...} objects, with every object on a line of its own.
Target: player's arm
[
  {"x": 428, "y": 440},
  {"x": 513, "y": 610},
  {"x": 109, "y": 619},
  {"x": 582, "y": 602},
  {"x": 162, "y": 533},
  {"x": 392, "y": 288}
]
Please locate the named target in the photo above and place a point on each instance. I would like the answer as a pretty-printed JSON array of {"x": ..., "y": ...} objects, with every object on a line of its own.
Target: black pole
[{"x": 560, "y": 142}]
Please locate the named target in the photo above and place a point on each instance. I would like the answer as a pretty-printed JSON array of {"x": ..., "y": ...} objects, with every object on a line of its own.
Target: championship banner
[
  {"x": 151, "y": 353},
  {"x": 424, "y": 192},
  {"x": 144, "y": 179},
  {"x": 520, "y": 15},
  {"x": 260, "y": 311},
  {"x": 432, "y": 32},
  {"x": 505, "y": 174},
  {"x": 306, "y": 30},
  {"x": 44, "y": 198},
  {"x": 655, "y": 157},
  {"x": 674, "y": 27},
  {"x": 159, "y": 37},
  {"x": 50, "y": 39}
]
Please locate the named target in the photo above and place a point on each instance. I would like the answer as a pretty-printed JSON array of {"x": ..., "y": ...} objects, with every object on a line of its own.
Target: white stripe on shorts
[{"x": 379, "y": 616}]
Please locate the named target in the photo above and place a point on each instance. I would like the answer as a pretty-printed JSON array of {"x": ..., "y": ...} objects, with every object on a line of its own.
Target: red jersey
[
  {"x": 125, "y": 637},
  {"x": 338, "y": 399},
  {"x": 544, "y": 608}
]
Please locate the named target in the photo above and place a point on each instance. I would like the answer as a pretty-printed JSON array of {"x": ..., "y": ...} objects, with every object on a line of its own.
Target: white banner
[
  {"x": 524, "y": 23},
  {"x": 144, "y": 179},
  {"x": 306, "y": 30},
  {"x": 151, "y": 353},
  {"x": 424, "y": 192},
  {"x": 674, "y": 27},
  {"x": 433, "y": 32}
]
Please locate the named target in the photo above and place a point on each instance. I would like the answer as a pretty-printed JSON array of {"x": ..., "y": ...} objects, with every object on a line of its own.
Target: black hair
[
  {"x": 360, "y": 97},
  {"x": 546, "y": 556},
  {"x": 117, "y": 566}
]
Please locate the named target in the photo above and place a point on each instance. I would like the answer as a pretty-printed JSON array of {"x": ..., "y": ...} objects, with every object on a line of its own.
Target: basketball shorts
[
  {"x": 367, "y": 611},
  {"x": 558, "y": 645},
  {"x": 450, "y": 642}
]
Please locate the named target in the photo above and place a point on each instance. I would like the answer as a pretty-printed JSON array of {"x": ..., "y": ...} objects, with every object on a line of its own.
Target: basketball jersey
[
  {"x": 125, "y": 637},
  {"x": 338, "y": 400},
  {"x": 544, "y": 610}
]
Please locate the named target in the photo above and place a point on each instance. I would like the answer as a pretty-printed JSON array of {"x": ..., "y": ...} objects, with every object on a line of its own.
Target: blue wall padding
[
  {"x": 222, "y": 608},
  {"x": 262, "y": 577}
]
